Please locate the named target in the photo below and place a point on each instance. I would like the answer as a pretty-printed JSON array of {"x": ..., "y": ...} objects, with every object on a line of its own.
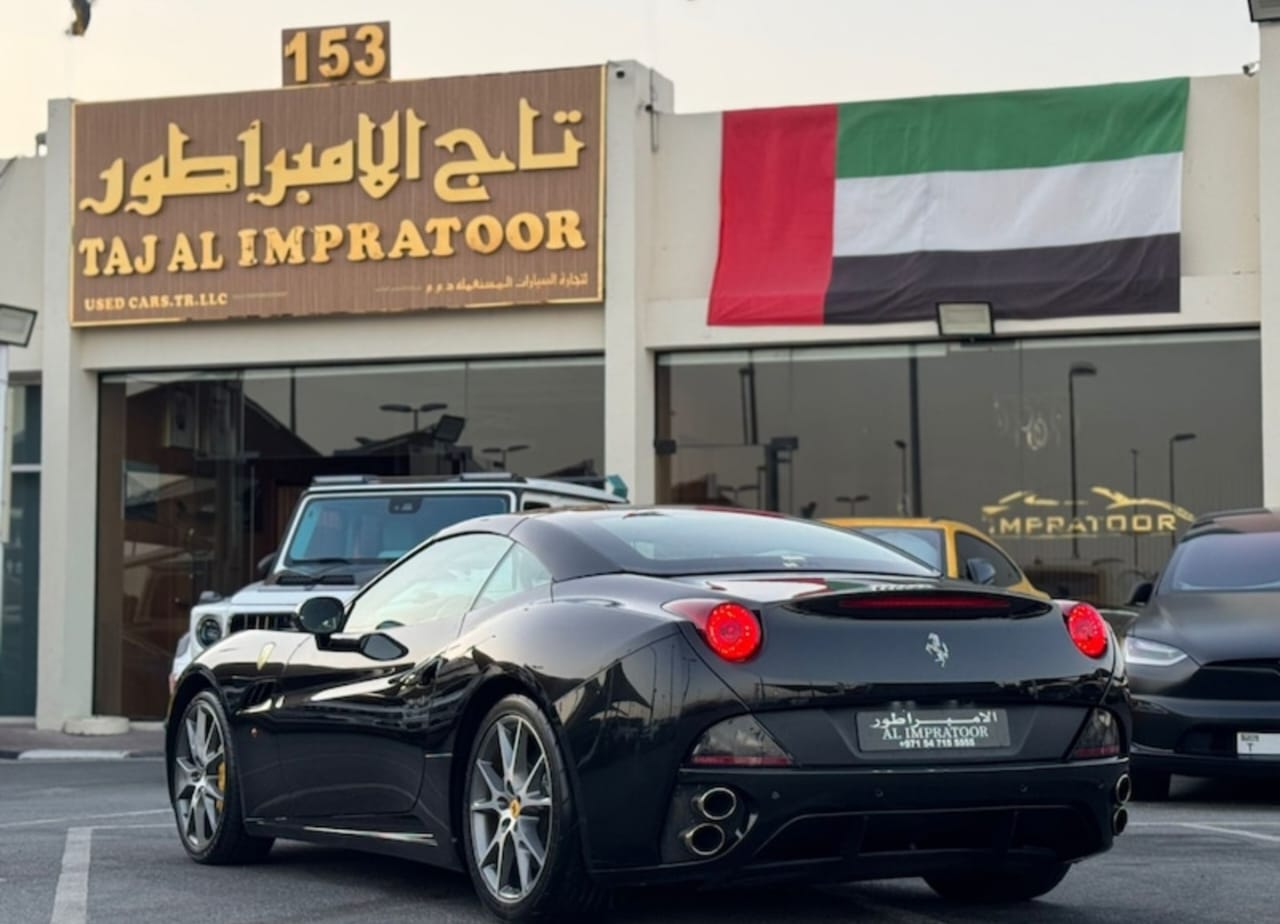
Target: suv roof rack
[{"x": 319, "y": 480}]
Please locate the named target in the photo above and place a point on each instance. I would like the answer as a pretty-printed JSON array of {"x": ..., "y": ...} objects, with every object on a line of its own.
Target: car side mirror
[
  {"x": 321, "y": 615},
  {"x": 980, "y": 571},
  {"x": 266, "y": 564},
  {"x": 1141, "y": 594}
]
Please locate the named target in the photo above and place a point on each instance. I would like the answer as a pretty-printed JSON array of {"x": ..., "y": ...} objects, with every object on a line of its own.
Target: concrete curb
[{"x": 80, "y": 754}]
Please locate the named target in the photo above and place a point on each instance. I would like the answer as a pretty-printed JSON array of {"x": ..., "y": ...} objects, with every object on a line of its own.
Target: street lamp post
[
  {"x": 853, "y": 502},
  {"x": 1173, "y": 493},
  {"x": 1134, "y": 453},
  {"x": 1077, "y": 369},
  {"x": 502, "y": 451},
  {"x": 415, "y": 411},
  {"x": 904, "y": 504}
]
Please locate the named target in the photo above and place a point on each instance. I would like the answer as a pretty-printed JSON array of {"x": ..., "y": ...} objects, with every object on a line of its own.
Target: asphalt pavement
[{"x": 93, "y": 841}]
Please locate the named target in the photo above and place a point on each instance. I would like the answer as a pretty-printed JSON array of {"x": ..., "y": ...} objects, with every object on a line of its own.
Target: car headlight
[
  {"x": 1152, "y": 654},
  {"x": 208, "y": 631}
]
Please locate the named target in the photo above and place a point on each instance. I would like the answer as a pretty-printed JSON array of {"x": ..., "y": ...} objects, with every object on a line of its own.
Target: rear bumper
[
  {"x": 1198, "y": 737},
  {"x": 868, "y": 824}
]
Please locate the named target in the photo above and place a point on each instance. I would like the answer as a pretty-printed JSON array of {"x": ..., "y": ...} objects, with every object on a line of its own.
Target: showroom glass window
[
  {"x": 1166, "y": 427},
  {"x": 19, "y": 611},
  {"x": 199, "y": 473}
]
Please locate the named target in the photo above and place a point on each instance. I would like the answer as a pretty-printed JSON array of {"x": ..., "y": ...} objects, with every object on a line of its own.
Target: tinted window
[
  {"x": 1225, "y": 561},
  {"x": 924, "y": 544},
  {"x": 701, "y": 541},
  {"x": 437, "y": 583},
  {"x": 381, "y": 528},
  {"x": 968, "y": 547}
]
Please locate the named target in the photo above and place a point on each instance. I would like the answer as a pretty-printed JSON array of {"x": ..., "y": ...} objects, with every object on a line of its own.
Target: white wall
[
  {"x": 430, "y": 334},
  {"x": 1219, "y": 233},
  {"x": 1268, "y": 146},
  {"x": 22, "y": 249}
]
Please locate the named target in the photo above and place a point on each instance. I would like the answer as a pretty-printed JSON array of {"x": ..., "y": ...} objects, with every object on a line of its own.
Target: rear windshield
[
  {"x": 697, "y": 541},
  {"x": 369, "y": 530},
  {"x": 921, "y": 543},
  {"x": 1225, "y": 561}
]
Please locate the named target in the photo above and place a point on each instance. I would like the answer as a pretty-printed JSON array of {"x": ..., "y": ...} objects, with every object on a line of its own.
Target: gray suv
[{"x": 346, "y": 529}]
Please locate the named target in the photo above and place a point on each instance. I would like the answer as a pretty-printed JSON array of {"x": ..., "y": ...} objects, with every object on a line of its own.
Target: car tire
[
  {"x": 1018, "y": 884},
  {"x": 517, "y": 802},
  {"x": 1150, "y": 787},
  {"x": 202, "y": 767}
]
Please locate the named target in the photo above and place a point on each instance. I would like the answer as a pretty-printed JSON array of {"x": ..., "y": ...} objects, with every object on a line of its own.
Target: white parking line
[
  {"x": 1271, "y": 838},
  {"x": 56, "y": 821},
  {"x": 1244, "y": 822},
  {"x": 71, "y": 900},
  {"x": 1216, "y": 827}
]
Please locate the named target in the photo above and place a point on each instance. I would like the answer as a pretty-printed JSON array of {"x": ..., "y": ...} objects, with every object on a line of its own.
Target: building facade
[{"x": 154, "y": 461}]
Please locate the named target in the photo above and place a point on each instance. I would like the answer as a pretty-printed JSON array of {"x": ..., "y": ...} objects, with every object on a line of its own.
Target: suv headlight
[
  {"x": 208, "y": 631},
  {"x": 1152, "y": 654}
]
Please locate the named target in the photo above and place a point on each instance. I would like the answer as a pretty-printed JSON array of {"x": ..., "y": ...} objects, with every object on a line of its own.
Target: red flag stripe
[{"x": 777, "y": 201}]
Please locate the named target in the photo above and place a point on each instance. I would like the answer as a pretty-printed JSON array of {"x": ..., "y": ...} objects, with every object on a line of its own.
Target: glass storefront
[
  {"x": 1166, "y": 427},
  {"x": 19, "y": 609},
  {"x": 199, "y": 473}
]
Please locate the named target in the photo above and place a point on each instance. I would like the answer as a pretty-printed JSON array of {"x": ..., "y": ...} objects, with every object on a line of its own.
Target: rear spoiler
[{"x": 922, "y": 603}]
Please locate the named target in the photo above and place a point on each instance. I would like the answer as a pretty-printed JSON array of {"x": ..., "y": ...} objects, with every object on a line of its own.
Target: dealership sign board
[{"x": 340, "y": 199}]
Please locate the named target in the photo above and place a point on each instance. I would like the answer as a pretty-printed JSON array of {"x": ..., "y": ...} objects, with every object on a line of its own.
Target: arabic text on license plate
[
  {"x": 1258, "y": 744},
  {"x": 933, "y": 729}
]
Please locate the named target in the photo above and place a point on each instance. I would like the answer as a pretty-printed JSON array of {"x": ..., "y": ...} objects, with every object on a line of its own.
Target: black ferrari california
[{"x": 567, "y": 701}]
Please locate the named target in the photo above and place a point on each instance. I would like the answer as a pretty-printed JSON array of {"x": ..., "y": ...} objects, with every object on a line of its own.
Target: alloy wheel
[
  {"x": 511, "y": 808},
  {"x": 200, "y": 777}
]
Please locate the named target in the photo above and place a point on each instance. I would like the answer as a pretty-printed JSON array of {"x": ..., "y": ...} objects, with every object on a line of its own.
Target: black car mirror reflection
[
  {"x": 381, "y": 647},
  {"x": 376, "y": 646}
]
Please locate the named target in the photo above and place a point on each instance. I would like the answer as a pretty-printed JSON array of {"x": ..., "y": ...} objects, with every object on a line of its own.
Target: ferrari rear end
[{"x": 844, "y": 729}]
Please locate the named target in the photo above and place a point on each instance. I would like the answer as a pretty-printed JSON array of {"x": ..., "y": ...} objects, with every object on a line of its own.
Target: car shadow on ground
[
  {"x": 449, "y": 892},
  {"x": 410, "y": 883}
]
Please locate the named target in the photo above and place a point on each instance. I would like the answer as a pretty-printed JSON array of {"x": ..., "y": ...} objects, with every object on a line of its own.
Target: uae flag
[{"x": 1046, "y": 203}]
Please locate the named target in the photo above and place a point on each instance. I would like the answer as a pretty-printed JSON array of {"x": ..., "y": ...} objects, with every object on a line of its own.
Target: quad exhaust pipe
[
  {"x": 716, "y": 804},
  {"x": 704, "y": 840},
  {"x": 1124, "y": 789},
  {"x": 706, "y": 837},
  {"x": 1120, "y": 820}
]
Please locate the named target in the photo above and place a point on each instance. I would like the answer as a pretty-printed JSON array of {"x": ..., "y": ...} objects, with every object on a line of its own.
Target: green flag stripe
[{"x": 1003, "y": 131}]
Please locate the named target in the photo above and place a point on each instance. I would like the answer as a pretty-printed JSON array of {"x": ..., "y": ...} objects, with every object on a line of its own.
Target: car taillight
[
  {"x": 738, "y": 742},
  {"x": 1100, "y": 737},
  {"x": 729, "y": 629},
  {"x": 1087, "y": 629}
]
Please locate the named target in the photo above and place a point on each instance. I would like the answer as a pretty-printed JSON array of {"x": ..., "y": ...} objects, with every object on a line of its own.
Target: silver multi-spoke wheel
[
  {"x": 200, "y": 776},
  {"x": 511, "y": 796}
]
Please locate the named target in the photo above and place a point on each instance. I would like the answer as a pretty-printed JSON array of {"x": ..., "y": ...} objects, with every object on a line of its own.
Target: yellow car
[{"x": 954, "y": 548}]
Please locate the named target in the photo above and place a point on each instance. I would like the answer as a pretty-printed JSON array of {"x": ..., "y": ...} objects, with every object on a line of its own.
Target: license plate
[
  {"x": 1257, "y": 744},
  {"x": 933, "y": 730}
]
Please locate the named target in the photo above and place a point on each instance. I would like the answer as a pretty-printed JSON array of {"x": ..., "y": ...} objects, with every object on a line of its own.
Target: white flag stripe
[{"x": 982, "y": 210}]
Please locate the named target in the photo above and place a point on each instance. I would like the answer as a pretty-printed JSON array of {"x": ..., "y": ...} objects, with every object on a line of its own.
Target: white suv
[{"x": 346, "y": 529}]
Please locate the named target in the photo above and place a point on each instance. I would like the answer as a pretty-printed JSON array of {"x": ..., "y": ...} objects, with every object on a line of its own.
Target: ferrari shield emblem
[{"x": 265, "y": 653}]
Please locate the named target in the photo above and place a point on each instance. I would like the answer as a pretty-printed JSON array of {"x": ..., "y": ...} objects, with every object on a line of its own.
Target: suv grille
[{"x": 276, "y": 622}]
